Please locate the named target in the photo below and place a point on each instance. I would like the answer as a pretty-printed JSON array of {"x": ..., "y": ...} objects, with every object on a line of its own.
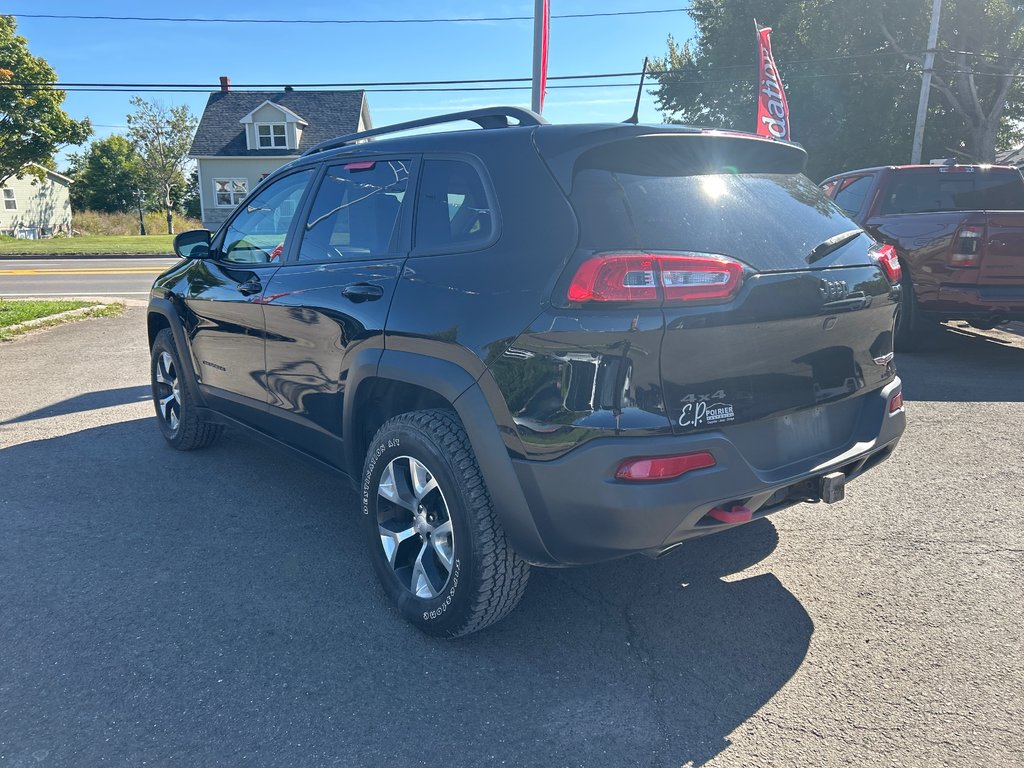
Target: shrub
[{"x": 99, "y": 223}]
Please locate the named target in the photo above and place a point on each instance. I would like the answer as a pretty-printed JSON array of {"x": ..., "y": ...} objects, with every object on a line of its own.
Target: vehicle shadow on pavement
[
  {"x": 219, "y": 607},
  {"x": 962, "y": 365},
  {"x": 88, "y": 401}
]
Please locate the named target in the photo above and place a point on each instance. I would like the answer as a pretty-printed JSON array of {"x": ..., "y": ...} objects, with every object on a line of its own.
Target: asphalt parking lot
[{"x": 216, "y": 608}]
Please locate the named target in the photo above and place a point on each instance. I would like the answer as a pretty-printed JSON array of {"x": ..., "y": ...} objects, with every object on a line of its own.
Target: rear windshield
[
  {"x": 768, "y": 220},
  {"x": 931, "y": 192}
]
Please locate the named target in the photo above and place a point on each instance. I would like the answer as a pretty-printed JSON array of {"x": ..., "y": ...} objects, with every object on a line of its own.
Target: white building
[
  {"x": 32, "y": 208},
  {"x": 245, "y": 135}
]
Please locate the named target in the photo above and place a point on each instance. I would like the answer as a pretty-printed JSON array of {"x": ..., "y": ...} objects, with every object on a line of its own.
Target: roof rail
[{"x": 487, "y": 117}]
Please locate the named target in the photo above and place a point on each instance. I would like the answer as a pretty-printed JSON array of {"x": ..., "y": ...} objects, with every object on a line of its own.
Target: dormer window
[
  {"x": 272, "y": 126},
  {"x": 271, "y": 135}
]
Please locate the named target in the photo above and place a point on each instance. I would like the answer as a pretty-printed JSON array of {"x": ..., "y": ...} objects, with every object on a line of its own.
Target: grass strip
[
  {"x": 13, "y": 313},
  {"x": 89, "y": 245}
]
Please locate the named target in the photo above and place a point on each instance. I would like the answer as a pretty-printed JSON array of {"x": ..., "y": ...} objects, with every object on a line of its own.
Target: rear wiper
[{"x": 824, "y": 248}]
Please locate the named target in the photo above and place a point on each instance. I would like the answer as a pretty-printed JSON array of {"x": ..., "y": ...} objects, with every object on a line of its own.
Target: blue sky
[{"x": 165, "y": 52}]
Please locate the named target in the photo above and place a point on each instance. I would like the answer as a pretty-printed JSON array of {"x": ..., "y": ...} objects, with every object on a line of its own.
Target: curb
[{"x": 44, "y": 256}]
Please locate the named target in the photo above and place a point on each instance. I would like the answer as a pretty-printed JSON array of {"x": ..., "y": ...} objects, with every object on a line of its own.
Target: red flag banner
[{"x": 772, "y": 108}]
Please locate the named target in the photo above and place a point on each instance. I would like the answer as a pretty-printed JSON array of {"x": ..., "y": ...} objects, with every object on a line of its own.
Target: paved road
[
  {"x": 123, "y": 278},
  {"x": 216, "y": 608}
]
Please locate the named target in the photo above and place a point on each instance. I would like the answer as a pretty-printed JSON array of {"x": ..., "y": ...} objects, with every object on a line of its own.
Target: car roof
[{"x": 480, "y": 140}]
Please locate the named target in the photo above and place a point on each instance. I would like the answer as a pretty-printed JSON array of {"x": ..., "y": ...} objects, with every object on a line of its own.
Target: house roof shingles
[{"x": 328, "y": 113}]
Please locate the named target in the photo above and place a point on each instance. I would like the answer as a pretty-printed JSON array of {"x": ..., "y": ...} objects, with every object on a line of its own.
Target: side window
[
  {"x": 452, "y": 210},
  {"x": 257, "y": 234},
  {"x": 850, "y": 196},
  {"x": 356, "y": 211}
]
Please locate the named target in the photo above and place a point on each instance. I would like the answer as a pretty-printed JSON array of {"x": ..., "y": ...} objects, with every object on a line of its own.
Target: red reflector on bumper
[
  {"x": 896, "y": 404},
  {"x": 663, "y": 467},
  {"x": 737, "y": 514}
]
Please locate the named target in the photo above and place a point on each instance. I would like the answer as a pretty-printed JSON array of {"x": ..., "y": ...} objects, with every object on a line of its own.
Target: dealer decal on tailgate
[{"x": 700, "y": 411}]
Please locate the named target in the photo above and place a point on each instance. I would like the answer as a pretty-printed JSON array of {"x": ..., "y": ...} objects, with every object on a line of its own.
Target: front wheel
[
  {"x": 180, "y": 422},
  {"x": 437, "y": 544}
]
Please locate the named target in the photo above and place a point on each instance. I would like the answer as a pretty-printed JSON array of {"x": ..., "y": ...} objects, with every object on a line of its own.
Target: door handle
[
  {"x": 250, "y": 286},
  {"x": 362, "y": 292}
]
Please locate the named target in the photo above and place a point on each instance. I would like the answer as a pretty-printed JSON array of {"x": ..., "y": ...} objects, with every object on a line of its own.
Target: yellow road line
[{"x": 85, "y": 271}]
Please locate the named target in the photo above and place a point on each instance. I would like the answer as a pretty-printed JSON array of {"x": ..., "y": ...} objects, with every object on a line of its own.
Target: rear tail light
[
  {"x": 889, "y": 261},
  {"x": 663, "y": 467},
  {"x": 652, "y": 277},
  {"x": 615, "y": 278},
  {"x": 967, "y": 246},
  {"x": 896, "y": 403}
]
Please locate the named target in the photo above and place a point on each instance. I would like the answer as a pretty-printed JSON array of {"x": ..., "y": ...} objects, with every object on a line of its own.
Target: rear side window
[
  {"x": 356, "y": 211},
  {"x": 931, "y": 192},
  {"x": 850, "y": 196},
  {"x": 452, "y": 208}
]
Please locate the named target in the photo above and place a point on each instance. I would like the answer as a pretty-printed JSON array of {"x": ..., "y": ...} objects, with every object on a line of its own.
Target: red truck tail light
[
  {"x": 649, "y": 277},
  {"x": 967, "y": 246},
  {"x": 647, "y": 468},
  {"x": 889, "y": 260}
]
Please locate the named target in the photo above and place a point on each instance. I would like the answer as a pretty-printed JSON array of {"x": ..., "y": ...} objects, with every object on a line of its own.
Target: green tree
[
  {"x": 190, "y": 204},
  {"x": 981, "y": 45},
  {"x": 852, "y": 92},
  {"x": 107, "y": 176},
  {"x": 162, "y": 137},
  {"x": 32, "y": 124}
]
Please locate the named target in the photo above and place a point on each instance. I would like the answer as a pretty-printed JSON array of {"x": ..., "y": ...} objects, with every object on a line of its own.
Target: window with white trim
[
  {"x": 271, "y": 136},
  {"x": 10, "y": 201},
  {"x": 227, "y": 193}
]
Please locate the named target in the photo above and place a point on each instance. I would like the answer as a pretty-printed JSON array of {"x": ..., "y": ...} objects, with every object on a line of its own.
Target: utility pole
[
  {"x": 138, "y": 201},
  {"x": 538, "y": 54},
  {"x": 926, "y": 83}
]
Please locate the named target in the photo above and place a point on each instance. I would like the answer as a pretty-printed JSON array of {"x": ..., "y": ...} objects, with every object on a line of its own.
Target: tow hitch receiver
[{"x": 833, "y": 487}]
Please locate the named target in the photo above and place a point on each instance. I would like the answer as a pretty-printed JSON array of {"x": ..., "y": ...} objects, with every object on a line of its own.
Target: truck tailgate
[{"x": 1003, "y": 254}]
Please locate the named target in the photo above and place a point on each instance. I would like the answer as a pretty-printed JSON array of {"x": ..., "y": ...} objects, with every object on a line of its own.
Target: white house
[
  {"x": 34, "y": 208},
  {"x": 245, "y": 135}
]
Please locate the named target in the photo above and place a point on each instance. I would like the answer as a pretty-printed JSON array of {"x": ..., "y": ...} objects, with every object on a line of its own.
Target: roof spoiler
[{"x": 670, "y": 150}]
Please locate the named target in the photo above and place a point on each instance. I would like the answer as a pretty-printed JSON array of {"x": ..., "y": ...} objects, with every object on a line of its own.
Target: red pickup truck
[{"x": 959, "y": 234}]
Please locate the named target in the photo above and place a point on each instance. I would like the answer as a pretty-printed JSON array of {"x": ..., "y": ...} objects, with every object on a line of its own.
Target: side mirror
[{"x": 194, "y": 244}]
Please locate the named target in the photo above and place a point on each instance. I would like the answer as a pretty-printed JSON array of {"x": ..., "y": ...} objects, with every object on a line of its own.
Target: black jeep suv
[{"x": 537, "y": 344}]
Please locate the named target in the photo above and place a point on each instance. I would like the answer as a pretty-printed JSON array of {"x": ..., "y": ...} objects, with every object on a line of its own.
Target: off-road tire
[
  {"x": 487, "y": 578},
  {"x": 191, "y": 431}
]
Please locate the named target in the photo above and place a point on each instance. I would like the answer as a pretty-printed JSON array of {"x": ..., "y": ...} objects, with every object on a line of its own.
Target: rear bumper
[
  {"x": 964, "y": 302},
  {"x": 583, "y": 514}
]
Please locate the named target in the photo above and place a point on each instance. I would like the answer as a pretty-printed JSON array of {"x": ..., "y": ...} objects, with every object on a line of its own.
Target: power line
[
  {"x": 357, "y": 85},
  {"x": 462, "y": 20},
  {"x": 107, "y": 88},
  {"x": 187, "y": 87}
]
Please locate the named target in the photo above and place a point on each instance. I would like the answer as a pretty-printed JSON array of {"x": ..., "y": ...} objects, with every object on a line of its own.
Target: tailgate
[
  {"x": 791, "y": 342},
  {"x": 807, "y": 326},
  {"x": 1003, "y": 253}
]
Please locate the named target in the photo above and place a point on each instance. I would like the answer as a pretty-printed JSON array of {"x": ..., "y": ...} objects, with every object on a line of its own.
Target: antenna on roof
[{"x": 635, "y": 117}]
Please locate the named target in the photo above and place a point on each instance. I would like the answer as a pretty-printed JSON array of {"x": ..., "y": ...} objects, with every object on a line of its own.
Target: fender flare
[
  {"x": 167, "y": 310},
  {"x": 461, "y": 389}
]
